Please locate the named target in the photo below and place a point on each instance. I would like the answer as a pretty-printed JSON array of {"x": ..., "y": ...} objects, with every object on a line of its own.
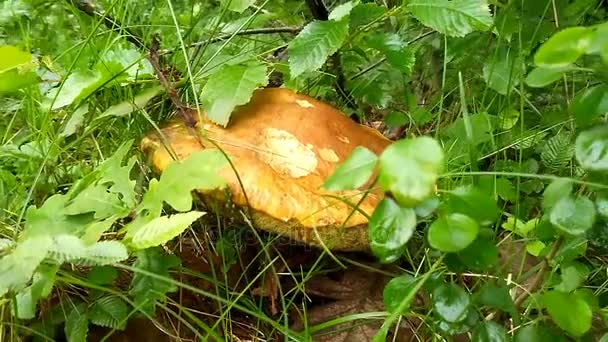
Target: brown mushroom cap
[{"x": 284, "y": 145}]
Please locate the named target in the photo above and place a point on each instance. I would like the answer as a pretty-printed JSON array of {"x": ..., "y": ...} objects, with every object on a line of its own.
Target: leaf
[
  {"x": 451, "y": 302},
  {"x": 76, "y": 325},
  {"x": 573, "y": 215},
  {"x": 129, "y": 106},
  {"x": 18, "y": 267},
  {"x": 342, "y": 10},
  {"x": 573, "y": 274},
  {"x": 557, "y": 151},
  {"x": 395, "y": 50},
  {"x": 51, "y": 219},
  {"x": 474, "y": 203},
  {"x": 354, "y": 172},
  {"x": 489, "y": 331},
  {"x": 455, "y": 18},
  {"x": 102, "y": 275},
  {"x": 496, "y": 297},
  {"x": 543, "y": 76},
  {"x": 538, "y": 333},
  {"x": 590, "y": 104},
  {"x": 147, "y": 290},
  {"x": 162, "y": 229},
  {"x": 591, "y": 149},
  {"x": 229, "y": 87},
  {"x": 423, "y": 159},
  {"x": 314, "y": 44},
  {"x": 452, "y": 233},
  {"x": 568, "y": 311},
  {"x": 113, "y": 171},
  {"x": 502, "y": 71},
  {"x": 390, "y": 228},
  {"x": 110, "y": 312},
  {"x": 564, "y": 47},
  {"x": 365, "y": 13},
  {"x": 104, "y": 253},
  {"x": 395, "y": 119},
  {"x": 75, "y": 121},
  {"x": 97, "y": 199},
  {"x": 481, "y": 129},
  {"x": 66, "y": 248},
  {"x": 199, "y": 171},
  {"x": 481, "y": 255},
  {"x": 16, "y": 69},
  {"x": 396, "y": 290},
  {"x": 238, "y": 5},
  {"x": 555, "y": 191},
  {"x": 124, "y": 64},
  {"x": 76, "y": 87},
  {"x": 507, "y": 118}
]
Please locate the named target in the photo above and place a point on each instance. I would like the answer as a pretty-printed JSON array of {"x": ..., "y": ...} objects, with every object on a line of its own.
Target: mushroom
[{"x": 283, "y": 145}]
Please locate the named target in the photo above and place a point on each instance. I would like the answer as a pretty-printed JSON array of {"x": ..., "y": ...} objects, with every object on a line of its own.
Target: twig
[
  {"x": 154, "y": 59},
  {"x": 91, "y": 10},
  {"x": 538, "y": 279},
  {"x": 254, "y": 31}
]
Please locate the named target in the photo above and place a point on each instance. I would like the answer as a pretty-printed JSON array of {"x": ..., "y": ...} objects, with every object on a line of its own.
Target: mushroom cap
[{"x": 284, "y": 145}]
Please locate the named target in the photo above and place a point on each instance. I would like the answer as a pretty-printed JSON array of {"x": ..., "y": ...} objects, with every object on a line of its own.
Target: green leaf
[
  {"x": 104, "y": 253},
  {"x": 452, "y": 233},
  {"x": 480, "y": 255},
  {"x": 496, "y": 297},
  {"x": 489, "y": 331},
  {"x": 390, "y": 228},
  {"x": 114, "y": 172},
  {"x": 102, "y": 275},
  {"x": 229, "y": 87},
  {"x": 199, "y": 171},
  {"x": 564, "y": 47},
  {"x": 18, "y": 267},
  {"x": 129, "y": 106},
  {"x": 423, "y": 159},
  {"x": 66, "y": 248},
  {"x": 76, "y": 325},
  {"x": 238, "y": 5},
  {"x": 474, "y": 203},
  {"x": 455, "y": 18},
  {"x": 365, "y": 13},
  {"x": 51, "y": 219},
  {"x": 146, "y": 290},
  {"x": 342, "y": 10},
  {"x": 557, "y": 151},
  {"x": 110, "y": 312},
  {"x": 124, "y": 64},
  {"x": 314, "y": 44},
  {"x": 75, "y": 121},
  {"x": 538, "y": 333},
  {"x": 481, "y": 125},
  {"x": 591, "y": 149},
  {"x": 573, "y": 215},
  {"x": 543, "y": 76},
  {"x": 97, "y": 199},
  {"x": 507, "y": 119},
  {"x": 590, "y": 104},
  {"x": 573, "y": 274},
  {"x": 76, "y": 87},
  {"x": 354, "y": 172},
  {"x": 502, "y": 71},
  {"x": 16, "y": 69},
  {"x": 162, "y": 229},
  {"x": 396, "y": 290},
  {"x": 568, "y": 311},
  {"x": 395, "y": 119},
  {"x": 555, "y": 191},
  {"x": 395, "y": 50},
  {"x": 451, "y": 302}
]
